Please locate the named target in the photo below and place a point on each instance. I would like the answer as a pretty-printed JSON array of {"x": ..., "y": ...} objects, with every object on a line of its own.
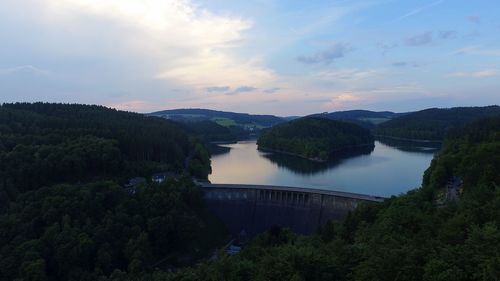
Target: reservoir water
[{"x": 389, "y": 168}]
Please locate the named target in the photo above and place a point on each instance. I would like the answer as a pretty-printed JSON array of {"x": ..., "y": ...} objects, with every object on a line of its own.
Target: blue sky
[{"x": 277, "y": 57}]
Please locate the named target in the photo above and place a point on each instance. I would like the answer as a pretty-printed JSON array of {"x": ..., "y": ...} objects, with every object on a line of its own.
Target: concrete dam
[{"x": 256, "y": 208}]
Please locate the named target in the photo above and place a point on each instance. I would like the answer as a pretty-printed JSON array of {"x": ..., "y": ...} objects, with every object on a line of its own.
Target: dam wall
[{"x": 255, "y": 208}]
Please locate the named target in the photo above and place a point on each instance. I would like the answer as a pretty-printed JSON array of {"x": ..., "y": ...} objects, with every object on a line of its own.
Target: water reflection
[
  {"x": 411, "y": 146},
  {"x": 216, "y": 149},
  {"x": 307, "y": 167},
  {"x": 384, "y": 171}
]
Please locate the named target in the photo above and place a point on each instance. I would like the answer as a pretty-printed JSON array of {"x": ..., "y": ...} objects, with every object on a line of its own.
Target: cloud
[
  {"x": 214, "y": 67},
  {"x": 386, "y": 47},
  {"x": 419, "y": 40},
  {"x": 346, "y": 74},
  {"x": 405, "y": 64},
  {"x": 24, "y": 69},
  {"x": 477, "y": 50},
  {"x": 449, "y": 34},
  {"x": 472, "y": 35},
  {"x": 466, "y": 50},
  {"x": 169, "y": 43},
  {"x": 341, "y": 101},
  {"x": 419, "y": 10},
  {"x": 478, "y": 74},
  {"x": 179, "y": 19},
  {"x": 226, "y": 89},
  {"x": 215, "y": 89},
  {"x": 272, "y": 90},
  {"x": 474, "y": 19},
  {"x": 242, "y": 89},
  {"x": 328, "y": 55}
]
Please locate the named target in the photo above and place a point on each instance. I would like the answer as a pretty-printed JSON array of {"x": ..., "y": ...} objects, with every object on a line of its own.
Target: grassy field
[
  {"x": 189, "y": 115},
  {"x": 375, "y": 121},
  {"x": 226, "y": 122}
]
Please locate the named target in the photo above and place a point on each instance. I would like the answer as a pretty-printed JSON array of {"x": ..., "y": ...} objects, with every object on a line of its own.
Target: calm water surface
[{"x": 385, "y": 170}]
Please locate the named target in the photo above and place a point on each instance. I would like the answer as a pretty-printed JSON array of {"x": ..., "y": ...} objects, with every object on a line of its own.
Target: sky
[{"x": 258, "y": 56}]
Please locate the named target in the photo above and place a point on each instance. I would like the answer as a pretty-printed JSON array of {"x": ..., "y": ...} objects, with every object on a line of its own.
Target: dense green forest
[
  {"x": 433, "y": 123},
  {"x": 210, "y": 131},
  {"x": 65, "y": 213},
  {"x": 364, "y": 118},
  {"x": 43, "y": 143},
  {"x": 409, "y": 237},
  {"x": 300, "y": 165},
  {"x": 313, "y": 137},
  {"x": 95, "y": 230}
]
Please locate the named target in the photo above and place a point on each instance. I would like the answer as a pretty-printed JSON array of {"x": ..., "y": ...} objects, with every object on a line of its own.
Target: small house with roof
[{"x": 161, "y": 177}]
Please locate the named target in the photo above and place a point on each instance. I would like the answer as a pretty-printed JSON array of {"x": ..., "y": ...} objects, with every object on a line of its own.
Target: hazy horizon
[
  {"x": 261, "y": 57},
  {"x": 347, "y": 109}
]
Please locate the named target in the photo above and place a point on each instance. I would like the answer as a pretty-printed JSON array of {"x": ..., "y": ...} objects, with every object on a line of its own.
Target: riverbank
[
  {"x": 409, "y": 140},
  {"x": 223, "y": 142}
]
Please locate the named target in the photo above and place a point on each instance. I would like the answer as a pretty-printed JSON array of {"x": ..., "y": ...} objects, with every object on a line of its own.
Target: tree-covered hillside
[
  {"x": 471, "y": 152},
  {"x": 313, "y": 137},
  {"x": 44, "y": 143},
  {"x": 409, "y": 237},
  {"x": 364, "y": 118},
  {"x": 198, "y": 114},
  {"x": 433, "y": 123},
  {"x": 65, "y": 211},
  {"x": 210, "y": 131},
  {"x": 96, "y": 230}
]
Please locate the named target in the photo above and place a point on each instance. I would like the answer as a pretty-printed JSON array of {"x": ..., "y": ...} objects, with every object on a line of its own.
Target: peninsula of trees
[{"x": 314, "y": 138}]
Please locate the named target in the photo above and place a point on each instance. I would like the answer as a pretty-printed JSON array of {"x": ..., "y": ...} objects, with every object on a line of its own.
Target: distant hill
[
  {"x": 314, "y": 138},
  {"x": 364, "y": 118},
  {"x": 290, "y": 118},
  {"x": 210, "y": 131},
  {"x": 224, "y": 118},
  {"x": 433, "y": 123}
]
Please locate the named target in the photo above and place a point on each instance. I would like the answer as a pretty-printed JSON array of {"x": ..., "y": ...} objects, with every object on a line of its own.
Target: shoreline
[
  {"x": 232, "y": 141},
  {"x": 409, "y": 140}
]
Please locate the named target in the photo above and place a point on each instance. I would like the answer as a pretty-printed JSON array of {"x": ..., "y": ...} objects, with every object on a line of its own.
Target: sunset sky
[{"x": 274, "y": 57}]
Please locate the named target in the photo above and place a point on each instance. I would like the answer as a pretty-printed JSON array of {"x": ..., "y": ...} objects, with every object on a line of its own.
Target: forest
[
  {"x": 95, "y": 230},
  {"x": 411, "y": 237},
  {"x": 210, "y": 131},
  {"x": 364, "y": 118},
  {"x": 433, "y": 123},
  {"x": 314, "y": 137},
  {"x": 43, "y": 143},
  {"x": 65, "y": 213}
]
